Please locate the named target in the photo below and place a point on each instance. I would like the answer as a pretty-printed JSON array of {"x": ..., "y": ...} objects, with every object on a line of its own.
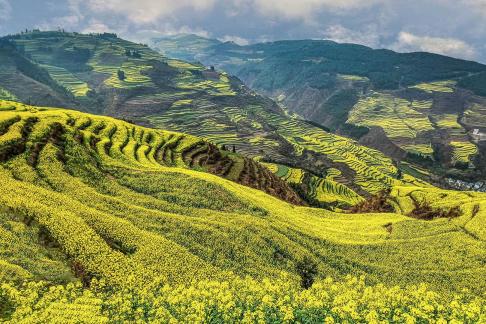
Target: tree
[
  {"x": 307, "y": 270},
  {"x": 399, "y": 174},
  {"x": 121, "y": 75}
]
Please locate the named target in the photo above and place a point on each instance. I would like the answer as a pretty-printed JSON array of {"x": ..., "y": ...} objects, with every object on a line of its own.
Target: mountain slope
[
  {"x": 114, "y": 211},
  {"x": 107, "y": 75},
  {"x": 428, "y": 107}
]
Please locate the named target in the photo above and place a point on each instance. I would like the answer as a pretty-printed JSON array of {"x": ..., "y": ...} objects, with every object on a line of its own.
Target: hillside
[
  {"x": 103, "y": 74},
  {"x": 145, "y": 236},
  {"x": 421, "y": 108}
]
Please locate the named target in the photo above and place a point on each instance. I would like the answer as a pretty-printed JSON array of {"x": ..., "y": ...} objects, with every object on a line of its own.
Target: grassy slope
[
  {"x": 273, "y": 137},
  {"x": 112, "y": 210},
  {"x": 418, "y": 100}
]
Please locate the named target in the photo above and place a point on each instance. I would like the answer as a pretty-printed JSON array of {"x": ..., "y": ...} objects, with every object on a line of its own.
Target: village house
[
  {"x": 478, "y": 135},
  {"x": 211, "y": 73}
]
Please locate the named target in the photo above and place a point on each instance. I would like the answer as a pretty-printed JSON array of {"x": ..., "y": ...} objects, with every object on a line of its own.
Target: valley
[
  {"x": 189, "y": 98},
  {"x": 422, "y": 103}
]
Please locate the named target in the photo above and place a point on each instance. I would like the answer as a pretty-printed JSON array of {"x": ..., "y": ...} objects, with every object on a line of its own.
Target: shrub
[
  {"x": 121, "y": 75},
  {"x": 307, "y": 270},
  {"x": 375, "y": 204},
  {"x": 423, "y": 210}
]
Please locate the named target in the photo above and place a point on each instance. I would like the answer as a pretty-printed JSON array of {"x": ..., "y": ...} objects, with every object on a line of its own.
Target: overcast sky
[{"x": 452, "y": 27}]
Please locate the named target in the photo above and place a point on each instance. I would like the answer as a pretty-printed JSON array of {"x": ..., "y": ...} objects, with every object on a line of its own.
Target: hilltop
[
  {"x": 121, "y": 211},
  {"x": 103, "y": 74},
  {"x": 421, "y": 108}
]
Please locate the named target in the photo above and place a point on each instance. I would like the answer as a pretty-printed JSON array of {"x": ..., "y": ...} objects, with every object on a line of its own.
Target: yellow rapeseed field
[{"x": 104, "y": 221}]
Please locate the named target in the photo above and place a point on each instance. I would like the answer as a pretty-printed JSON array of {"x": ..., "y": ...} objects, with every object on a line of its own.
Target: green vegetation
[
  {"x": 6, "y": 95},
  {"x": 475, "y": 82},
  {"x": 438, "y": 86},
  {"x": 395, "y": 116},
  {"x": 102, "y": 202},
  {"x": 463, "y": 152},
  {"x": 105, "y": 221},
  {"x": 77, "y": 87},
  {"x": 191, "y": 44},
  {"x": 282, "y": 64},
  {"x": 239, "y": 300},
  {"x": 414, "y": 98},
  {"x": 447, "y": 121}
]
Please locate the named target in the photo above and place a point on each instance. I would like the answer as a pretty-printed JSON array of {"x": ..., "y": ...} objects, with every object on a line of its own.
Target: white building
[{"x": 478, "y": 136}]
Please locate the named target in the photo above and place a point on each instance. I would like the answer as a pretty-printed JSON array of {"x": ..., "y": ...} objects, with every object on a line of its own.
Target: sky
[{"x": 451, "y": 27}]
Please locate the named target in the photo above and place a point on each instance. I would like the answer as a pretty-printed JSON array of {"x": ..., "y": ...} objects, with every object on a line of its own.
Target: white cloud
[
  {"x": 96, "y": 26},
  {"x": 408, "y": 42},
  {"x": 341, "y": 34},
  {"x": 235, "y": 39},
  {"x": 479, "y": 5},
  {"x": 70, "y": 22},
  {"x": 307, "y": 9},
  {"x": 5, "y": 10},
  {"x": 146, "y": 11},
  {"x": 167, "y": 29},
  {"x": 156, "y": 14}
]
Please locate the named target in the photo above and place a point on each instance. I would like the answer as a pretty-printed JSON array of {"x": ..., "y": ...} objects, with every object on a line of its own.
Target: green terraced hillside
[
  {"x": 413, "y": 107},
  {"x": 128, "y": 225},
  {"x": 101, "y": 73},
  {"x": 104, "y": 74}
]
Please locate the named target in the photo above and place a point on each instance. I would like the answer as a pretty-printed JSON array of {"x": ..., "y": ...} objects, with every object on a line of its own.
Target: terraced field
[
  {"x": 327, "y": 191},
  {"x": 6, "y": 95},
  {"x": 187, "y": 97},
  {"x": 274, "y": 137},
  {"x": 77, "y": 87},
  {"x": 107, "y": 75},
  {"x": 373, "y": 171},
  {"x": 291, "y": 175},
  {"x": 446, "y": 86},
  {"x": 395, "y": 116},
  {"x": 471, "y": 203},
  {"x": 422, "y": 149},
  {"x": 403, "y": 104},
  {"x": 410, "y": 123},
  {"x": 475, "y": 115},
  {"x": 447, "y": 121},
  {"x": 463, "y": 152},
  {"x": 121, "y": 77},
  {"x": 120, "y": 209}
]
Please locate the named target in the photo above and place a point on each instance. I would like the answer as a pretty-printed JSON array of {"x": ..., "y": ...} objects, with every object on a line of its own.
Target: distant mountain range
[{"x": 427, "y": 109}]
